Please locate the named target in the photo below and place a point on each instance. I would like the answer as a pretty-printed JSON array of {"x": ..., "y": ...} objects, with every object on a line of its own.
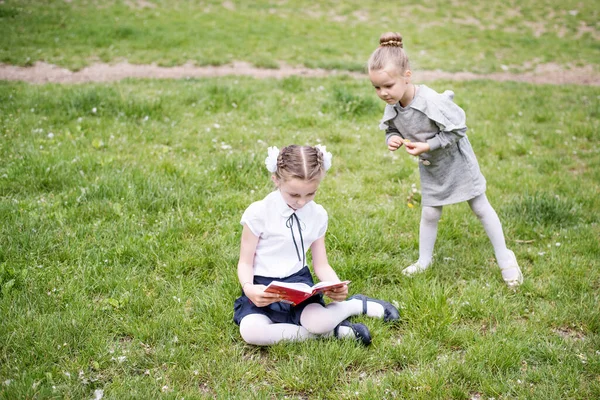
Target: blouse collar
[{"x": 285, "y": 210}]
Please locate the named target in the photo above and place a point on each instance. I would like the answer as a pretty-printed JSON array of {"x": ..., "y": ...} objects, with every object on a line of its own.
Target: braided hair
[{"x": 301, "y": 162}]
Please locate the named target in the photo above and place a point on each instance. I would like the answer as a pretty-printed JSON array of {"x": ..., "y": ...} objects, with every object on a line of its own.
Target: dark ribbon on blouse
[{"x": 290, "y": 224}]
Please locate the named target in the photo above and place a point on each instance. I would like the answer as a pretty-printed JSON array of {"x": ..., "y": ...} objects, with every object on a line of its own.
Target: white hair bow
[
  {"x": 326, "y": 156},
  {"x": 271, "y": 160}
]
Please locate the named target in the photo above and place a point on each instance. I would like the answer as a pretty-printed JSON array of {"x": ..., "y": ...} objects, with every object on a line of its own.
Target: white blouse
[{"x": 279, "y": 254}]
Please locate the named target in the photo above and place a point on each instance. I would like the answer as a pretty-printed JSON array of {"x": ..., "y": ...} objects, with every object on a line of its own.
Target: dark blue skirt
[{"x": 277, "y": 312}]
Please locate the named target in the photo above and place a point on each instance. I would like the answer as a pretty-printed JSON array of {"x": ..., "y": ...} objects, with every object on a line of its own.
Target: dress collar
[
  {"x": 388, "y": 114},
  {"x": 391, "y": 110}
]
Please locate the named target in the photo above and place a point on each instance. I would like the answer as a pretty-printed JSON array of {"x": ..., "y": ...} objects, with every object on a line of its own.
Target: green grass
[
  {"x": 476, "y": 36},
  {"x": 120, "y": 203},
  {"x": 120, "y": 208}
]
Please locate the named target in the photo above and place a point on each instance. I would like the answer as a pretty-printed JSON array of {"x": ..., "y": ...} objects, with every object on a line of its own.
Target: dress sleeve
[
  {"x": 390, "y": 131},
  {"x": 450, "y": 118},
  {"x": 252, "y": 218}
]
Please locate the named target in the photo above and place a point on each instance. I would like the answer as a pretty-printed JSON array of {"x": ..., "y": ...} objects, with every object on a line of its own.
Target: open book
[{"x": 296, "y": 293}]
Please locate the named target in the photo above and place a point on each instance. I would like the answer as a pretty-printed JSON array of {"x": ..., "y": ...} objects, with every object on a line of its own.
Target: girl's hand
[
  {"x": 337, "y": 294},
  {"x": 416, "y": 148},
  {"x": 258, "y": 296},
  {"x": 394, "y": 143}
]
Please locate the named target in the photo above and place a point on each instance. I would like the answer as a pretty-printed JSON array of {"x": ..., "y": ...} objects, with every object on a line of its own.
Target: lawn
[
  {"x": 120, "y": 206},
  {"x": 477, "y": 36}
]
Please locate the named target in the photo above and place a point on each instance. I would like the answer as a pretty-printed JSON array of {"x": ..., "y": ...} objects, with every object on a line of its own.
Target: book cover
[{"x": 296, "y": 293}]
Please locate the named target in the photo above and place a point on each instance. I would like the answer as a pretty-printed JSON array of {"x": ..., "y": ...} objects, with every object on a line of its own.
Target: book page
[
  {"x": 302, "y": 287},
  {"x": 329, "y": 285}
]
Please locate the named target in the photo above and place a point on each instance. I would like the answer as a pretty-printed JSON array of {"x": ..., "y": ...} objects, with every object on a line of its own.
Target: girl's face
[
  {"x": 391, "y": 86},
  {"x": 297, "y": 192}
]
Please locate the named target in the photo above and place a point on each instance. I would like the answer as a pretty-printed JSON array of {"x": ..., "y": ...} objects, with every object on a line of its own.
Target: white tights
[
  {"x": 484, "y": 211},
  {"x": 315, "y": 321}
]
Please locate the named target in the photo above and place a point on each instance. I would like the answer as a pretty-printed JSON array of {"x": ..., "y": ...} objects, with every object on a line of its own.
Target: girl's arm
[
  {"x": 245, "y": 270},
  {"x": 442, "y": 139},
  {"x": 393, "y": 138},
  {"x": 450, "y": 118},
  {"x": 446, "y": 138},
  {"x": 324, "y": 271}
]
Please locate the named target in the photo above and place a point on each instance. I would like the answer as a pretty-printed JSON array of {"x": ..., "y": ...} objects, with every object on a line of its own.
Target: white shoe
[
  {"x": 416, "y": 268},
  {"x": 512, "y": 275}
]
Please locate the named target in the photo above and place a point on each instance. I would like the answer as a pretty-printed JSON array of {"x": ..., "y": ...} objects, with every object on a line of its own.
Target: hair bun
[{"x": 391, "y": 39}]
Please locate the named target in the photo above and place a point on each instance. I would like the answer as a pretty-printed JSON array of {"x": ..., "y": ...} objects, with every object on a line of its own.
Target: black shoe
[
  {"x": 390, "y": 313},
  {"x": 361, "y": 332}
]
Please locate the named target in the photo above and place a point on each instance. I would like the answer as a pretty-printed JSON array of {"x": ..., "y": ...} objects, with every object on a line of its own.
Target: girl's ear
[
  {"x": 275, "y": 180},
  {"x": 407, "y": 74}
]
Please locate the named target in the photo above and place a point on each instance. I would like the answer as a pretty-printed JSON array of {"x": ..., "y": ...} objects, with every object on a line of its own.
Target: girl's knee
[
  {"x": 481, "y": 207},
  {"x": 313, "y": 317},
  {"x": 252, "y": 329},
  {"x": 431, "y": 214}
]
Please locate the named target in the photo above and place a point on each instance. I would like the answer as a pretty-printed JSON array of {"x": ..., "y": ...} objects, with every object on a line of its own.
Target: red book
[{"x": 296, "y": 293}]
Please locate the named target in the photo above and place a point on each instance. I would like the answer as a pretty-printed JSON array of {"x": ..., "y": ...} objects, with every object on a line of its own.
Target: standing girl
[
  {"x": 431, "y": 126},
  {"x": 277, "y": 231}
]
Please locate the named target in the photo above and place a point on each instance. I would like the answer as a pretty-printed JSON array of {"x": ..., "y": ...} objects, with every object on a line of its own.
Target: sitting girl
[{"x": 277, "y": 231}]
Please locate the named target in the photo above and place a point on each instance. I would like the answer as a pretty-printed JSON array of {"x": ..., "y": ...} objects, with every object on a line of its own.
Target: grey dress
[{"x": 449, "y": 170}]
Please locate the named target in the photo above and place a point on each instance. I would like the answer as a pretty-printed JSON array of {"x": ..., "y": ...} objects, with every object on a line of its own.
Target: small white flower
[
  {"x": 94, "y": 110},
  {"x": 98, "y": 394},
  {"x": 50, "y": 135},
  {"x": 557, "y": 244}
]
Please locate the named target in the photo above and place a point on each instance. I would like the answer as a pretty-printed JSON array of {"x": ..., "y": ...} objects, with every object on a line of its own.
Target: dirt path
[{"x": 47, "y": 73}]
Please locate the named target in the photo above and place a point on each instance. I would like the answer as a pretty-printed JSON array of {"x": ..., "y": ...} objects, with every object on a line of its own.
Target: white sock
[
  {"x": 430, "y": 216},
  {"x": 321, "y": 320},
  {"x": 346, "y": 332},
  {"x": 493, "y": 227},
  {"x": 374, "y": 310},
  {"x": 315, "y": 321},
  {"x": 259, "y": 330}
]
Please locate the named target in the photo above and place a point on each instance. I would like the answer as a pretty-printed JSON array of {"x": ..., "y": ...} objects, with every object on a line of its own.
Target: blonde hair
[
  {"x": 301, "y": 162},
  {"x": 389, "y": 53}
]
